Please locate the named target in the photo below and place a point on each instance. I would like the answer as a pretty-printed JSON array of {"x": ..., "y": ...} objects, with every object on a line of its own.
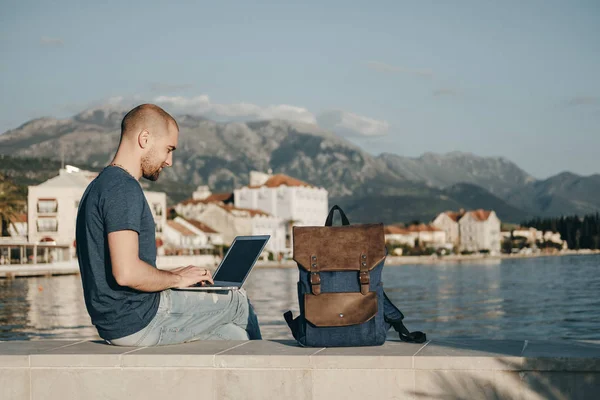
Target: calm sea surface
[{"x": 540, "y": 298}]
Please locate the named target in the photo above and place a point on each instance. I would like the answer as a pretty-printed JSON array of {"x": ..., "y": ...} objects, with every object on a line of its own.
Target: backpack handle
[{"x": 329, "y": 221}]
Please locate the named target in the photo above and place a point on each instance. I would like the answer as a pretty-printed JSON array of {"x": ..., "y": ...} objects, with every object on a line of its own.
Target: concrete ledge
[{"x": 453, "y": 369}]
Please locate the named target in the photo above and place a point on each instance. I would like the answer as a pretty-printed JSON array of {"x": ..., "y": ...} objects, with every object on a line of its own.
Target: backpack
[{"x": 340, "y": 292}]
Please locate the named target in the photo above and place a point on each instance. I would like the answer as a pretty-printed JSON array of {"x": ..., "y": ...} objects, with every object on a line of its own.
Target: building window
[
  {"x": 47, "y": 225},
  {"x": 47, "y": 206},
  {"x": 158, "y": 211}
]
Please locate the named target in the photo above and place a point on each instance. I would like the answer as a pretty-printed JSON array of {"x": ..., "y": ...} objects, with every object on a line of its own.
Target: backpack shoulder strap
[
  {"x": 292, "y": 323},
  {"x": 394, "y": 317}
]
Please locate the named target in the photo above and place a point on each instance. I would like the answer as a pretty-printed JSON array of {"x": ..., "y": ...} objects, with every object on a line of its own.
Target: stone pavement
[{"x": 439, "y": 369}]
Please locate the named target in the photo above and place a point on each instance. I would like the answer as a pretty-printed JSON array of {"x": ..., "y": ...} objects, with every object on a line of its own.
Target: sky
[{"x": 515, "y": 79}]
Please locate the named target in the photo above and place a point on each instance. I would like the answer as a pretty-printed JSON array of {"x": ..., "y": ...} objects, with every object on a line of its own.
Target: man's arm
[{"x": 129, "y": 270}]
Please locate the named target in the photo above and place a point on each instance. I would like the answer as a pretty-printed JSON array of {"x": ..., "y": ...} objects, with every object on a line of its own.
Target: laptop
[{"x": 236, "y": 265}]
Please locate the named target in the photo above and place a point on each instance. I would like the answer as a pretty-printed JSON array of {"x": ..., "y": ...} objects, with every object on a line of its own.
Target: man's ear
[{"x": 143, "y": 138}]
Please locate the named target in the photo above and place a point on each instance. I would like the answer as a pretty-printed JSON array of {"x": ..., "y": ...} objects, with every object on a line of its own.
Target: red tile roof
[
  {"x": 252, "y": 212},
  {"x": 395, "y": 230},
  {"x": 455, "y": 216},
  {"x": 19, "y": 218},
  {"x": 203, "y": 227},
  {"x": 480, "y": 215},
  {"x": 422, "y": 228},
  {"x": 180, "y": 228},
  {"x": 281, "y": 179},
  {"x": 213, "y": 198}
]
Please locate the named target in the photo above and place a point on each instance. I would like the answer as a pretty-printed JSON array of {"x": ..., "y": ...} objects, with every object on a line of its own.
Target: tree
[
  {"x": 12, "y": 203},
  {"x": 580, "y": 233},
  {"x": 172, "y": 214},
  {"x": 507, "y": 246}
]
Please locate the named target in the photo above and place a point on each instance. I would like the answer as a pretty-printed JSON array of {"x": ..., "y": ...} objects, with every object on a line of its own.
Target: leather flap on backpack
[
  {"x": 339, "y": 309},
  {"x": 339, "y": 248}
]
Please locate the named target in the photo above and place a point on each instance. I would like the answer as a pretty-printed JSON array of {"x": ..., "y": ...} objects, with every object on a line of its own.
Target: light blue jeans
[{"x": 185, "y": 316}]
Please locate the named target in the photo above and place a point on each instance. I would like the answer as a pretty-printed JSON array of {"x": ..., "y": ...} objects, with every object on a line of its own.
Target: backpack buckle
[
  {"x": 315, "y": 283},
  {"x": 364, "y": 277},
  {"x": 315, "y": 278}
]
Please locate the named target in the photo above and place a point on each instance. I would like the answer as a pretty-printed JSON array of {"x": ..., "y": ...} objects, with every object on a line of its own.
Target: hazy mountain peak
[
  {"x": 295, "y": 126},
  {"x": 496, "y": 174},
  {"x": 464, "y": 155},
  {"x": 41, "y": 123},
  {"x": 107, "y": 115},
  {"x": 565, "y": 175},
  {"x": 450, "y": 155}
]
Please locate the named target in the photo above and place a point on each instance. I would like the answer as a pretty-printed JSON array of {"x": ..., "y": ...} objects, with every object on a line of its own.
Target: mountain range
[{"x": 388, "y": 187}]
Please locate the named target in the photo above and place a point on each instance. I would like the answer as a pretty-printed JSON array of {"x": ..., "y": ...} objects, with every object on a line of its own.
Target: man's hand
[{"x": 191, "y": 275}]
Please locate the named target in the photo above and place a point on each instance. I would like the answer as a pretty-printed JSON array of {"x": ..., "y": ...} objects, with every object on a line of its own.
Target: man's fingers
[
  {"x": 204, "y": 272},
  {"x": 204, "y": 280}
]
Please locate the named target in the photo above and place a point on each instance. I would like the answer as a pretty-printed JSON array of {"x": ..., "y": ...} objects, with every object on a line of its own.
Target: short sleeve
[{"x": 122, "y": 207}]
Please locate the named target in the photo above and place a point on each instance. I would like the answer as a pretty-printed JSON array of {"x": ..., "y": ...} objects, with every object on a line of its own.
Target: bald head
[
  {"x": 149, "y": 136},
  {"x": 148, "y": 117}
]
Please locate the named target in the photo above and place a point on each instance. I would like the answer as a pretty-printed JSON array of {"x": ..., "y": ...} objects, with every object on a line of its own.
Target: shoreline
[
  {"x": 458, "y": 258},
  {"x": 72, "y": 268}
]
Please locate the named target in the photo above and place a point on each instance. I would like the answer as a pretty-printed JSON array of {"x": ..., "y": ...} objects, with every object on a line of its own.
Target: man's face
[{"x": 160, "y": 153}]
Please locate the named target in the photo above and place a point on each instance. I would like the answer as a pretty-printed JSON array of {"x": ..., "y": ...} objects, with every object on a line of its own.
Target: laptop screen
[{"x": 239, "y": 259}]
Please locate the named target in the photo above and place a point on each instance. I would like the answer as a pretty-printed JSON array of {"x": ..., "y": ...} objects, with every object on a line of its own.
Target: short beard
[{"x": 148, "y": 171}]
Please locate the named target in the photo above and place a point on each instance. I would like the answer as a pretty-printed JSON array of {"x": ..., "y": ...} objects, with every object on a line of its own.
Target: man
[{"x": 129, "y": 300}]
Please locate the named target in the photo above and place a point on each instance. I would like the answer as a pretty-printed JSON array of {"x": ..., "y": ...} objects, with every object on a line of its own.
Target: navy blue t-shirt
[{"x": 114, "y": 201}]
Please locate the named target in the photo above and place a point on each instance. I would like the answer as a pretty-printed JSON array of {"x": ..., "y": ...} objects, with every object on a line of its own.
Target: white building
[
  {"x": 18, "y": 228},
  {"x": 52, "y": 207},
  {"x": 200, "y": 199},
  {"x": 232, "y": 221},
  {"x": 270, "y": 204},
  {"x": 448, "y": 222},
  {"x": 284, "y": 197},
  {"x": 398, "y": 236},
  {"x": 181, "y": 233},
  {"x": 427, "y": 235},
  {"x": 534, "y": 236},
  {"x": 554, "y": 237},
  {"x": 531, "y": 235},
  {"x": 295, "y": 202},
  {"x": 480, "y": 230},
  {"x": 422, "y": 235}
]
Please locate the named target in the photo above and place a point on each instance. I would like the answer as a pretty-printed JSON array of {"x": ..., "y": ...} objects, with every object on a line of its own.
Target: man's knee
[
  {"x": 242, "y": 304},
  {"x": 241, "y": 297},
  {"x": 229, "y": 332}
]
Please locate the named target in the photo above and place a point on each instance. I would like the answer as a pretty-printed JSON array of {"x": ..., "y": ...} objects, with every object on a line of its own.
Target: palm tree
[{"x": 12, "y": 203}]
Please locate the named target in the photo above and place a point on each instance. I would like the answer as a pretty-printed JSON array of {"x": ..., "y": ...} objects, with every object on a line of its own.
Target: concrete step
[{"x": 453, "y": 369}]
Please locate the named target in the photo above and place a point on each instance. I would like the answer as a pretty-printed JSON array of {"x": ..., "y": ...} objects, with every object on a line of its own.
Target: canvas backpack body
[{"x": 340, "y": 291}]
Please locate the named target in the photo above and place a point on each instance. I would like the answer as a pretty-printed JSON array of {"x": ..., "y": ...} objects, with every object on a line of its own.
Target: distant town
[{"x": 207, "y": 222}]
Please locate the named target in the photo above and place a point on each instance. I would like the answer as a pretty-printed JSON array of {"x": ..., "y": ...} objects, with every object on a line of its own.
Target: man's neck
[{"x": 129, "y": 165}]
